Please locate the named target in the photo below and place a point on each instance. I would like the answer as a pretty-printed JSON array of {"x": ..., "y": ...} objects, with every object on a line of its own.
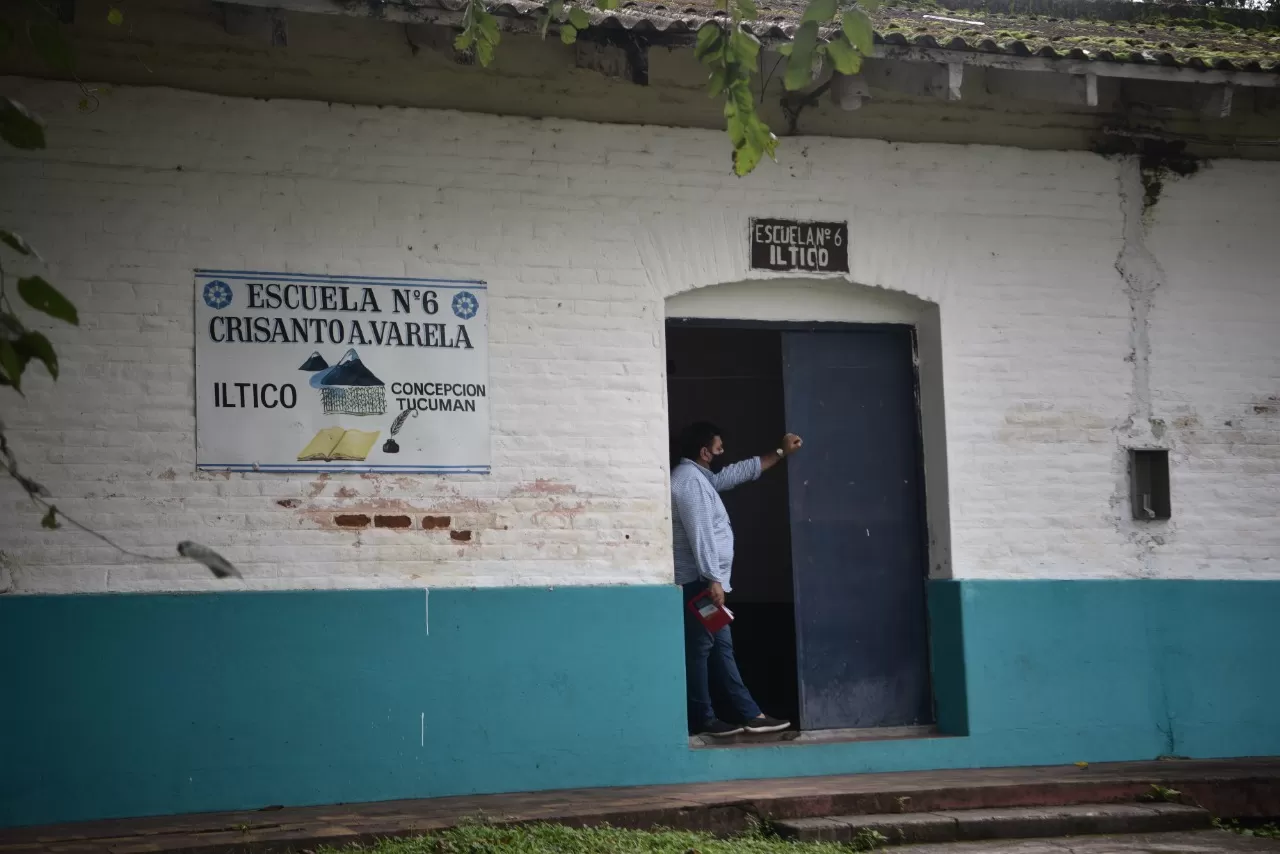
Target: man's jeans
[{"x": 709, "y": 661}]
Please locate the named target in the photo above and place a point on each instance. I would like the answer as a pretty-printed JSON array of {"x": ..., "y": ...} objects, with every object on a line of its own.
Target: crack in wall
[{"x": 1142, "y": 276}]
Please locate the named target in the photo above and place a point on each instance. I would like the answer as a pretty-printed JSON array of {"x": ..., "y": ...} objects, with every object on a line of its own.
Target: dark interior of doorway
[{"x": 732, "y": 377}]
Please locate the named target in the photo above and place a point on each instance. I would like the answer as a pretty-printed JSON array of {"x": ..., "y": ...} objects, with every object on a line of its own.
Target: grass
[
  {"x": 476, "y": 838},
  {"x": 1162, "y": 794},
  {"x": 1266, "y": 831}
]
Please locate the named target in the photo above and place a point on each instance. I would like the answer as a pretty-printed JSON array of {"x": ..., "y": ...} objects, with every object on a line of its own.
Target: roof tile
[{"x": 1191, "y": 36}]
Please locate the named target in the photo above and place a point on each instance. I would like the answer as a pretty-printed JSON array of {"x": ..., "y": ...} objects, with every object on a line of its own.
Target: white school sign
[{"x": 300, "y": 372}]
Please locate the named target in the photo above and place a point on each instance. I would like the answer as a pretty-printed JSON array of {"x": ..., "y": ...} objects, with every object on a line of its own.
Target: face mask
[{"x": 717, "y": 462}]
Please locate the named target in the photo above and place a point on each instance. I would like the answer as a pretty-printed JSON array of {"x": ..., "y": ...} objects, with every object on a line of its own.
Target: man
[{"x": 704, "y": 561}]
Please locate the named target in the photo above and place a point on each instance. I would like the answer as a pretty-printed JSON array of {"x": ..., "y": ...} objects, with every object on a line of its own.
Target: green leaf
[
  {"x": 42, "y": 296},
  {"x": 50, "y": 519},
  {"x": 607, "y": 5},
  {"x": 869, "y": 5},
  {"x": 745, "y": 159},
  {"x": 745, "y": 45},
  {"x": 709, "y": 39},
  {"x": 18, "y": 127},
  {"x": 579, "y": 18},
  {"x": 33, "y": 345},
  {"x": 843, "y": 57},
  {"x": 784, "y": 49},
  {"x": 484, "y": 52},
  {"x": 552, "y": 10},
  {"x": 115, "y": 17},
  {"x": 857, "y": 28},
  {"x": 800, "y": 63},
  {"x": 52, "y": 46},
  {"x": 12, "y": 364},
  {"x": 737, "y": 129},
  {"x": 568, "y": 34},
  {"x": 747, "y": 9},
  {"x": 465, "y": 39},
  {"x": 820, "y": 11},
  {"x": 753, "y": 141},
  {"x": 716, "y": 82},
  {"x": 772, "y": 148},
  {"x": 758, "y": 135},
  {"x": 17, "y": 242},
  {"x": 488, "y": 26}
]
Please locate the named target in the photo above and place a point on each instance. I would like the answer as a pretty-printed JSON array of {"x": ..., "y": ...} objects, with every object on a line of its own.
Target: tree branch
[
  {"x": 793, "y": 103},
  {"x": 218, "y": 565}
]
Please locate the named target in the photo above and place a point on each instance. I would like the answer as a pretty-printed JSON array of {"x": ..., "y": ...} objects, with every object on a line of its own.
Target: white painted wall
[
  {"x": 1215, "y": 372},
  {"x": 583, "y": 231}
]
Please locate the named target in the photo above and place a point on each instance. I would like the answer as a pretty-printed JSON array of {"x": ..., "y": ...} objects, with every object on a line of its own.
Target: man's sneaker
[
  {"x": 718, "y": 729},
  {"x": 765, "y": 724}
]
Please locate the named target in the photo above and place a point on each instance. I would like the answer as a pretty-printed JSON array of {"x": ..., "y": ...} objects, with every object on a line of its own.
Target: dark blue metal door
[{"x": 857, "y": 528}]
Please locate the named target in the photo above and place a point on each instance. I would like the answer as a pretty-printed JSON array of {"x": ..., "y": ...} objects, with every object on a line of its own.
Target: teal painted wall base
[{"x": 125, "y": 705}]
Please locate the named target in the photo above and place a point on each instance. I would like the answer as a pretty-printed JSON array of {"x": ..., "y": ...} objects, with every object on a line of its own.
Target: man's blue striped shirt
[{"x": 699, "y": 523}]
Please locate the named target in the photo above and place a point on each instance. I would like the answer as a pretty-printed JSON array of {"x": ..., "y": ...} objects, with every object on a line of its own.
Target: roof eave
[{"x": 519, "y": 16}]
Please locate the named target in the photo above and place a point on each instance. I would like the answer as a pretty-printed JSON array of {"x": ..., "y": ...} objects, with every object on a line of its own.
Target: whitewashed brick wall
[
  {"x": 1215, "y": 371},
  {"x": 582, "y": 231}
]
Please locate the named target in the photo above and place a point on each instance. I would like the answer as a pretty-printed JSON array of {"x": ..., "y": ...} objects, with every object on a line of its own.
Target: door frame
[{"x": 921, "y": 485}]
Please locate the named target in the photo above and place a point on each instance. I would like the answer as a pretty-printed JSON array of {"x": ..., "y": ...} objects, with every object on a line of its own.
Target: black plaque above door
[{"x": 788, "y": 244}]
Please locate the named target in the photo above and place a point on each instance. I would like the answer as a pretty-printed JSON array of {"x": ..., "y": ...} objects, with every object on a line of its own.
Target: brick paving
[{"x": 1227, "y": 788}]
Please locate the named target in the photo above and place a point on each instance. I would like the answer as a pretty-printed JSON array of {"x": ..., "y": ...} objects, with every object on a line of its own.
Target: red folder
[{"x": 711, "y": 615}]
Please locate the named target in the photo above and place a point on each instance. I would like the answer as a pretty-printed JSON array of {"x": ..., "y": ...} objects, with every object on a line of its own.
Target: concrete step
[
  {"x": 1227, "y": 788},
  {"x": 1011, "y": 823},
  {"x": 1181, "y": 842}
]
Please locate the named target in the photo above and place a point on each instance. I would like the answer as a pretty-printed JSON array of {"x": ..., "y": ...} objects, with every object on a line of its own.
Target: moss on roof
[{"x": 1201, "y": 36}]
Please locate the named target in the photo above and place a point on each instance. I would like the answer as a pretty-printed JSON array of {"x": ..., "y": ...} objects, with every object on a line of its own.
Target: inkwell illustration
[{"x": 391, "y": 446}]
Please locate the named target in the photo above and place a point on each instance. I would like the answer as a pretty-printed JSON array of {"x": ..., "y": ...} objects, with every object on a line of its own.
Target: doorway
[
  {"x": 830, "y": 570},
  {"x": 732, "y": 377}
]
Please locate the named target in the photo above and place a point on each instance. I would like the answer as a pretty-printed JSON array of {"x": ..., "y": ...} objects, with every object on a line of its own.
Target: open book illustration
[{"x": 338, "y": 443}]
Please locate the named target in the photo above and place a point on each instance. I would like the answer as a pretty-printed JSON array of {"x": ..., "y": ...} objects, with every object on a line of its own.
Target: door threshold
[{"x": 819, "y": 736}]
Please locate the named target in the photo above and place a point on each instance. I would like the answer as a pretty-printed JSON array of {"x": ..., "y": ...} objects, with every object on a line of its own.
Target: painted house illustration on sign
[{"x": 349, "y": 388}]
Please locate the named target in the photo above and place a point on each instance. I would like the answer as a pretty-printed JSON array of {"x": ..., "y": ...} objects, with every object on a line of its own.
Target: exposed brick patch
[
  {"x": 431, "y": 523},
  {"x": 392, "y": 522},
  {"x": 318, "y": 485},
  {"x": 289, "y": 502},
  {"x": 352, "y": 520},
  {"x": 460, "y": 536}
]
